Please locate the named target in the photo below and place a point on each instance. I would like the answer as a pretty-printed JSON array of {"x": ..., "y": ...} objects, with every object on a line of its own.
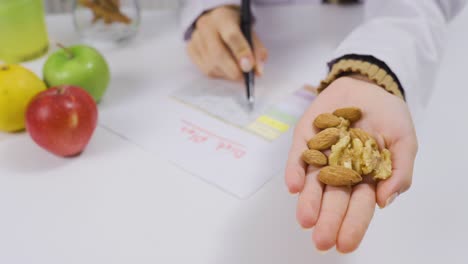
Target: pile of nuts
[
  {"x": 354, "y": 152},
  {"x": 107, "y": 10}
]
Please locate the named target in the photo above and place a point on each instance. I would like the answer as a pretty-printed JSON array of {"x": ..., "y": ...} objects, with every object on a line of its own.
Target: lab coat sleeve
[
  {"x": 408, "y": 36},
  {"x": 192, "y": 9}
]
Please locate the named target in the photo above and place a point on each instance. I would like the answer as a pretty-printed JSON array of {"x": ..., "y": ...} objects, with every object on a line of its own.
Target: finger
[
  {"x": 358, "y": 217},
  {"x": 194, "y": 54},
  {"x": 216, "y": 73},
  {"x": 295, "y": 166},
  {"x": 199, "y": 49},
  {"x": 229, "y": 66},
  {"x": 234, "y": 39},
  {"x": 403, "y": 156},
  {"x": 261, "y": 54},
  {"x": 195, "y": 49},
  {"x": 219, "y": 55},
  {"x": 310, "y": 199},
  {"x": 197, "y": 60},
  {"x": 334, "y": 205}
]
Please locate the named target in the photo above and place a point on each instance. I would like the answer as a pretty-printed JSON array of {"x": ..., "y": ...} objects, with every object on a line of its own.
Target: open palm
[{"x": 341, "y": 215}]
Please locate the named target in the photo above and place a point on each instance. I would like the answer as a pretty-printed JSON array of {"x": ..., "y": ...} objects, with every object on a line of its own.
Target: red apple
[{"x": 62, "y": 119}]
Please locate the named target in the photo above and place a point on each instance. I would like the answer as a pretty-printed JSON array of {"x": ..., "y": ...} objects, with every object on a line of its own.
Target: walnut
[
  {"x": 384, "y": 169},
  {"x": 337, "y": 151},
  {"x": 370, "y": 156},
  {"x": 343, "y": 127},
  {"x": 358, "y": 149},
  {"x": 365, "y": 159}
]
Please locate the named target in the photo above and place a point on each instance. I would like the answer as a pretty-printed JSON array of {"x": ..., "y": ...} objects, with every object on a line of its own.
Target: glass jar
[
  {"x": 23, "y": 33},
  {"x": 106, "y": 22}
]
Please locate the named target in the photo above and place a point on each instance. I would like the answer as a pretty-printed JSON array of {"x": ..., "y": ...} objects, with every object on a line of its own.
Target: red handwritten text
[{"x": 200, "y": 135}]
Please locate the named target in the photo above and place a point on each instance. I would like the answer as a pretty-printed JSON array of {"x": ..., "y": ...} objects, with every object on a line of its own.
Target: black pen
[{"x": 246, "y": 27}]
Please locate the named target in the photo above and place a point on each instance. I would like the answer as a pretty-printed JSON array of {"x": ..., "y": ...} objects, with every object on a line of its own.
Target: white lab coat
[{"x": 408, "y": 35}]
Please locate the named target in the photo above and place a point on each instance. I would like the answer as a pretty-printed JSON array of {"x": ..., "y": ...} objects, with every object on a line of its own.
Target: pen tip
[{"x": 251, "y": 102}]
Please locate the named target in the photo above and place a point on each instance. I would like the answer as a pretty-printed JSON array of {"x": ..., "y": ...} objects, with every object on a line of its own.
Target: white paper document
[{"x": 205, "y": 128}]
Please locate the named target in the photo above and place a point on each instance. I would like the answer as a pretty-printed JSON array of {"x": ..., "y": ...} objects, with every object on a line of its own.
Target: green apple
[{"x": 78, "y": 65}]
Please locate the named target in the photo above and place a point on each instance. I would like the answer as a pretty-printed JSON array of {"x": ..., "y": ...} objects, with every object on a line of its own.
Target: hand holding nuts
[{"x": 354, "y": 152}]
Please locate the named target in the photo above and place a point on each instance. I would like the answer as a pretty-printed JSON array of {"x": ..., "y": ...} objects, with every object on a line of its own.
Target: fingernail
[
  {"x": 322, "y": 252},
  {"x": 245, "y": 64},
  {"x": 391, "y": 199},
  {"x": 260, "y": 68}
]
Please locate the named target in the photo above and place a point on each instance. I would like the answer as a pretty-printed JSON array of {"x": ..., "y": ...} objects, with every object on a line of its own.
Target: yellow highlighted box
[
  {"x": 278, "y": 125},
  {"x": 264, "y": 131}
]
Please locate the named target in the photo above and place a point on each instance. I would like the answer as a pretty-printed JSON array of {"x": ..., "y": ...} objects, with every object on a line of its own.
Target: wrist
[
  {"x": 365, "y": 68},
  {"x": 357, "y": 86},
  {"x": 360, "y": 77}
]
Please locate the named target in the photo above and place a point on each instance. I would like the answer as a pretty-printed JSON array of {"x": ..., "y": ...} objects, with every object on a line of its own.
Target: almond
[
  {"x": 359, "y": 134},
  {"x": 324, "y": 139},
  {"x": 339, "y": 176},
  {"x": 353, "y": 114},
  {"x": 327, "y": 120},
  {"x": 314, "y": 157}
]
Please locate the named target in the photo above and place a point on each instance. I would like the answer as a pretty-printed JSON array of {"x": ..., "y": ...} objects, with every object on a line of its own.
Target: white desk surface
[{"x": 119, "y": 204}]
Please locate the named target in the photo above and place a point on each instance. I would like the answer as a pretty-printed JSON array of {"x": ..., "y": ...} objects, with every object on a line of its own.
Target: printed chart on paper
[{"x": 271, "y": 116}]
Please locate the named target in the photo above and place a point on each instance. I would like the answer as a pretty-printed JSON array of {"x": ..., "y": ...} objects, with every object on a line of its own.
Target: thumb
[
  {"x": 295, "y": 171},
  {"x": 403, "y": 156},
  {"x": 234, "y": 39}
]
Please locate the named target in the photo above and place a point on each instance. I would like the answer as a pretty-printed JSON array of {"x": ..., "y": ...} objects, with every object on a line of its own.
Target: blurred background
[
  {"x": 58, "y": 6},
  {"x": 25, "y": 34}
]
